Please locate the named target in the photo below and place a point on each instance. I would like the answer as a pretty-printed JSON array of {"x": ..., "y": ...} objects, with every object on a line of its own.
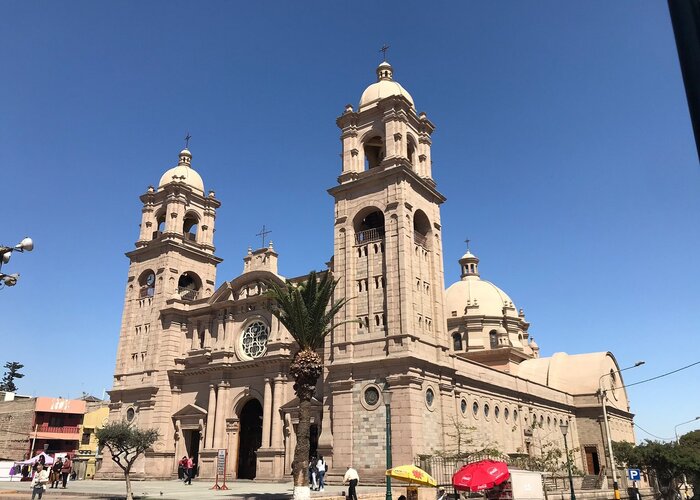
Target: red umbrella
[{"x": 480, "y": 475}]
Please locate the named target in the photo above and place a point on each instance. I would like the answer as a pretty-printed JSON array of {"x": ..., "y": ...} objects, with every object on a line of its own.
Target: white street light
[
  {"x": 675, "y": 429},
  {"x": 603, "y": 397},
  {"x": 26, "y": 245}
]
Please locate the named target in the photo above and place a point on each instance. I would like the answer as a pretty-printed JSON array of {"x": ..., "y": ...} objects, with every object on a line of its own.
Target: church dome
[
  {"x": 384, "y": 87},
  {"x": 475, "y": 296},
  {"x": 184, "y": 173}
]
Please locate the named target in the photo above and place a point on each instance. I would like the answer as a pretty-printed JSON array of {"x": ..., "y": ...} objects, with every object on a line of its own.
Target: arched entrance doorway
[{"x": 250, "y": 438}]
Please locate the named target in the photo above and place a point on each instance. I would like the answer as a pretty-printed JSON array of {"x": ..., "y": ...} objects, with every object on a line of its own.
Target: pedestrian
[
  {"x": 321, "y": 468},
  {"x": 55, "y": 476},
  {"x": 181, "y": 468},
  {"x": 402, "y": 497},
  {"x": 351, "y": 478},
  {"x": 41, "y": 477},
  {"x": 441, "y": 494},
  {"x": 313, "y": 474},
  {"x": 66, "y": 470},
  {"x": 189, "y": 472}
]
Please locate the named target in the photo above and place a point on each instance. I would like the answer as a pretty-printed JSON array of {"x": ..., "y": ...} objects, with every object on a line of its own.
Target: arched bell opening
[
  {"x": 189, "y": 285},
  {"x": 374, "y": 151},
  {"x": 190, "y": 225},
  {"x": 369, "y": 226},
  {"x": 421, "y": 229},
  {"x": 160, "y": 221}
]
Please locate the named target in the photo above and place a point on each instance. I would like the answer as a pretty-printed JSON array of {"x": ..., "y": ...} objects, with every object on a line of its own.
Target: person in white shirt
[
  {"x": 352, "y": 478},
  {"x": 321, "y": 468},
  {"x": 41, "y": 477}
]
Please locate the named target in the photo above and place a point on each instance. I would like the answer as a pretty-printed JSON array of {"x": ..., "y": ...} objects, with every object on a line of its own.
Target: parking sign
[{"x": 634, "y": 474}]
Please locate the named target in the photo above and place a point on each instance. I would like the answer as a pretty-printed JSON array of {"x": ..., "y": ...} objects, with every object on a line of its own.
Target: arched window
[
  {"x": 493, "y": 339},
  {"x": 374, "y": 152},
  {"x": 188, "y": 286},
  {"x": 457, "y": 341},
  {"x": 190, "y": 226}
]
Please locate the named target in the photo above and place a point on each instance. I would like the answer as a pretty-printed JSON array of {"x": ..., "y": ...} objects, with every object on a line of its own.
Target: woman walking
[{"x": 41, "y": 477}]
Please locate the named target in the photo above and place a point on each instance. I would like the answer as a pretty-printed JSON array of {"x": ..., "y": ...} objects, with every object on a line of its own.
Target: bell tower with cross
[{"x": 388, "y": 250}]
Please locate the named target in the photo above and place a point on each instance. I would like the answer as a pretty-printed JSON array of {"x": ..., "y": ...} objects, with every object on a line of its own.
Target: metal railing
[
  {"x": 62, "y": 429},
  {"x": 420, "y": 239},
  {"x": 368, "y": 235},
  {"x": 188, "y": 293}
]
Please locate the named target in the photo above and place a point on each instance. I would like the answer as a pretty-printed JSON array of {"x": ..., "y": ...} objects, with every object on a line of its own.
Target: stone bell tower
[
  {"x": 388, "y": 251},
  {"x": 173, "y": 262}
]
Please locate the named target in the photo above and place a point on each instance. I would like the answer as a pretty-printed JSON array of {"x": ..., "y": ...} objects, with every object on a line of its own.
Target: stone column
[
  {"x": 267, "y": 413},
  {"x": 277, "y": 440},
  {"x": 221, "y": 407},
  {"x": 192, "y": 326},
  {"x": 211, "y": 409}
]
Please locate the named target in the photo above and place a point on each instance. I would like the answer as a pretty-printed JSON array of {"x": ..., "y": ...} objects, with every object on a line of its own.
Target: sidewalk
[{"x": 175, "y": 490}]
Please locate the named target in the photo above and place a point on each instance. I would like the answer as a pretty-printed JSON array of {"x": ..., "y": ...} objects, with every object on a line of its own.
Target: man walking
[
  {"x": 189, "y": 470},
  {"x": 66, "y": 470},
  {"x": 351, "y": 478}
]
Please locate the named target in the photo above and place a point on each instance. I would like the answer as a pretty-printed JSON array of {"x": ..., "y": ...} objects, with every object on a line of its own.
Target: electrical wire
[
  {"x": 652, "y": 435},
  {"x": 662, "y": 375}
]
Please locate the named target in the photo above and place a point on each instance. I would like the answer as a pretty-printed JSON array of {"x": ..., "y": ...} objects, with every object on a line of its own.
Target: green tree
[
  {"x": 126, "y": 443},
  {"x": 12, "y": 373},
  {"x": 307, "y": 311}
]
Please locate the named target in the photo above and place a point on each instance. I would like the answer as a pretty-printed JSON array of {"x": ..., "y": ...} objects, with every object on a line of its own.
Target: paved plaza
[{"x": 175, "y": 490}]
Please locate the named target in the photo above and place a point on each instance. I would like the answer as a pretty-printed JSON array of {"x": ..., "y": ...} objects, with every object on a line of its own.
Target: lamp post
[
  {"x": 675, "y": 429},
  {"x": 387, "y": 405},
  {"x": 603, "y": 396},
  {"x": 5, "y": 253},
  {"x": 565, "y": 430}
]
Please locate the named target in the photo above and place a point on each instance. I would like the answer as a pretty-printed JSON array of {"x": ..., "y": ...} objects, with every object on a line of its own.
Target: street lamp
[
  {"x": 675, "y": 429},
  {"x": 565, "y": 430},
  {"x": 387, "y": 405},
  {"x": 5, "y": 253},
  {"x": 603, "y": 397}
]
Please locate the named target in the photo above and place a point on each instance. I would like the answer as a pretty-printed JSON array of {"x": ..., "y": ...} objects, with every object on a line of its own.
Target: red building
[{"x": 56, "y": 427}]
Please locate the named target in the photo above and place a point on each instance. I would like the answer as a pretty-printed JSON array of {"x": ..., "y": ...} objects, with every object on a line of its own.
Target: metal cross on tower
[
  {"x": 263, "y": 233},
  {"x": 187, "y": 140},
  {"x": 467, "y": 242},
  {"x": 383, "y": 50}
]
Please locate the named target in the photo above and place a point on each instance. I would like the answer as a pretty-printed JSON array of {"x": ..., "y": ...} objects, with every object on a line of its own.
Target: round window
[
  {"x": 429, "y": 397},
  {"x": 496, "y": 412},
  {"x": 475, "y": 408},
  {"x": 515, "y": 415},
  {"x": 549, "y": 421},
  {"x": 254, "y": 339},
  {"x": 486, "y": 410},
  {"x": 463, "y": 406},
  {"x": 371, "y": 396},
  {"x": 506, "y": 414},
  {"x": 130, "y": 414}
]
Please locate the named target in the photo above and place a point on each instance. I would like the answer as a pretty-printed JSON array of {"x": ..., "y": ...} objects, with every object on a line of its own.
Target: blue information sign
[{"x": 634, "y": 474}]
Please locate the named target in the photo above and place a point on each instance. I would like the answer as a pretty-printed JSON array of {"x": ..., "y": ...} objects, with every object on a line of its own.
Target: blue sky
[{"x": 563, "y": 145}]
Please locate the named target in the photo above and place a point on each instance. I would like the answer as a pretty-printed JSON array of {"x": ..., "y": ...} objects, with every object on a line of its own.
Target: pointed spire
[{"x": 469, "y": 263}]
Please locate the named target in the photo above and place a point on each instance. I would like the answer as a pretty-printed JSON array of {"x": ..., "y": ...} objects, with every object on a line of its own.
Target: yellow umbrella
[{"x": 411, "y": 474}]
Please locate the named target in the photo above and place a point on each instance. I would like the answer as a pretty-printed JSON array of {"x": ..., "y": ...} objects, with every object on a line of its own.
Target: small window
[
  {"x": 429, "y": 397},
  {"x": 493, "y": 339},
  {"x": 475, "y": 408},
  {"x": 515, "y": 416},
  {"x": 496, "y": 412},
  {"x": 85, "y": 438},
  {"x": 487, "y": 409},
  {"x": 506, "y": 414},
  {"x": 130, "y": 414},
  {"x": 457, "y": 341},
  {"x": 463, "y": 406}
]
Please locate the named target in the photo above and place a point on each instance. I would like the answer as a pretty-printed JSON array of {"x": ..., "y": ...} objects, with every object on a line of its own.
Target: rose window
[{"x": 254, "y": 339}]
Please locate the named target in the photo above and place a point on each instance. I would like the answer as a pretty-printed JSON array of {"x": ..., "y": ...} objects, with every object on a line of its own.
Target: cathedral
[{"x": 206, "y": 363}]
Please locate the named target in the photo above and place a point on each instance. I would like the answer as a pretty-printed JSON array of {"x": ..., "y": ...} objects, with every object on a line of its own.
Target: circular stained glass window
[
  {"x": 463, "y": 406},
  {"x": 130, "y": 414},
  {"x": 429, "y": 397},
  {"x": 254, "y": 339},
  {"x": 371, "y": 396}
]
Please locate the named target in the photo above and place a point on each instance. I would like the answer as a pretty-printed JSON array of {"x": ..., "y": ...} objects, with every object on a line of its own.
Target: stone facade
[
  {"x": 16, "y": 418},
  {"x": 208, "y": 365}
]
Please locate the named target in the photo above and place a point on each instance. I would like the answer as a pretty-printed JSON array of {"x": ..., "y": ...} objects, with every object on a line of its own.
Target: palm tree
[{"x": 306, "y": 310}]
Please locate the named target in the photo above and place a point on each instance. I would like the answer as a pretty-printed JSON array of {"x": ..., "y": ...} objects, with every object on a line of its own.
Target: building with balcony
[{"x": 88, "y": 458}]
